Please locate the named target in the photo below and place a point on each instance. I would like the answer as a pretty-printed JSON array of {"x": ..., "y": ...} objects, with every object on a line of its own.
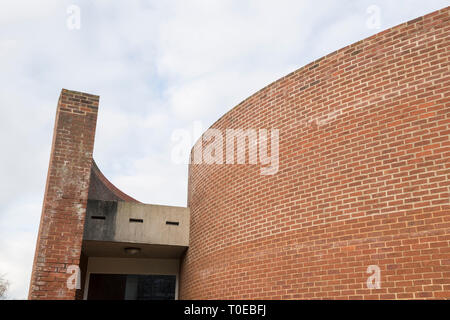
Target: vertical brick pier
[{"x": 66, "y": 193}]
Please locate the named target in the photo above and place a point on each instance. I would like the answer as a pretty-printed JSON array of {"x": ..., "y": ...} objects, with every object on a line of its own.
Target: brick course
[{"x": 364, "y": 180}]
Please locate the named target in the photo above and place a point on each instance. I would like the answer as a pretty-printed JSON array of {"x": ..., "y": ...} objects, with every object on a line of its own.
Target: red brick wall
[
  {"x": 363, "y": 180},
  {"x": 66, "y": 193}
]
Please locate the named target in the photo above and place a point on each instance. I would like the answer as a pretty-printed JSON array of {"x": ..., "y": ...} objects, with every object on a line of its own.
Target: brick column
[{"x": 66, "y": 193}]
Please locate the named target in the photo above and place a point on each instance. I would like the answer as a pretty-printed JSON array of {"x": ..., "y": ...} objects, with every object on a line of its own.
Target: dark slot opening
[
  {"x": 136, "y": 220},
  {"x": 173, "y": 223},
  {"x": 98, "y": 217}
]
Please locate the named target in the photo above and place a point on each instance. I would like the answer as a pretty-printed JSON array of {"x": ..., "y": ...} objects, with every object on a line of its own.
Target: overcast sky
[{"x": 158, "y": 66}]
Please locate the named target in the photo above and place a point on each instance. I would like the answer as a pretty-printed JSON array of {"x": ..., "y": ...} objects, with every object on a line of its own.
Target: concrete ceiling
[{"x": 117, "y": 250}]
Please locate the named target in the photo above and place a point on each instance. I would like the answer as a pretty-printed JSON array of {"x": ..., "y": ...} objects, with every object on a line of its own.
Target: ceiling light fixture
[{"x": 132, "y": 250}]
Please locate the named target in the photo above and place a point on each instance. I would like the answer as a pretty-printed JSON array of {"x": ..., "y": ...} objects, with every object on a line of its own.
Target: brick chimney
[{"x": 66, "y": 193}]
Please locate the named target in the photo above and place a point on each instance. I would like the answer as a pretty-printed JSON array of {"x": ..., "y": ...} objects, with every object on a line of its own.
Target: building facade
[{"x": 361, "y": 191}]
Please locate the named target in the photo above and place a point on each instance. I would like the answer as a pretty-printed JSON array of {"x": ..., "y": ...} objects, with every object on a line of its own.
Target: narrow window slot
[
  {"x": 172, "y": 223},
  {"x": 136, "y": 220},
  {"x": 98, "y": 217}
]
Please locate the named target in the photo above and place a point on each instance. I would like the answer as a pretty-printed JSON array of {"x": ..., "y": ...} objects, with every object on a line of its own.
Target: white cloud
[
  {"x": 22, "y": 10},
  {"x": 152, "y": 177},
  {"x": 158, "y": 66},
  {"x": 18, "y": 223}
]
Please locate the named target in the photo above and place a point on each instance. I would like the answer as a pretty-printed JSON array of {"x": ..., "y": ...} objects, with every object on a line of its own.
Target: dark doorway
[
  {"x": 131, "y": 287},
  {"x": 107, "y": 287}
]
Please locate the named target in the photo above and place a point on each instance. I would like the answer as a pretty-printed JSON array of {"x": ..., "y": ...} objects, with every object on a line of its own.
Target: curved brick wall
[{"x": 363, "y": 180}]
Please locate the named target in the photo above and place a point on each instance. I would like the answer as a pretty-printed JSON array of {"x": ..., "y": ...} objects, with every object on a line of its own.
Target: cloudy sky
[{"x": 158, "y": 66}]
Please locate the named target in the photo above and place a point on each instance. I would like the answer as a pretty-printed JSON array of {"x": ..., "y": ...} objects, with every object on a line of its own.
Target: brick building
[{"x": 362, "y": 182}]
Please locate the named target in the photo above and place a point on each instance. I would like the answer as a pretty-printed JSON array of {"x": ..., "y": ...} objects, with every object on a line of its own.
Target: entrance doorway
[{"x": 131, "y": 287}]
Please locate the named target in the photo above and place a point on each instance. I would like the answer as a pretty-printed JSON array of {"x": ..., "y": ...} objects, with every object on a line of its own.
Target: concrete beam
[{"x": 136, "y": 223}]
